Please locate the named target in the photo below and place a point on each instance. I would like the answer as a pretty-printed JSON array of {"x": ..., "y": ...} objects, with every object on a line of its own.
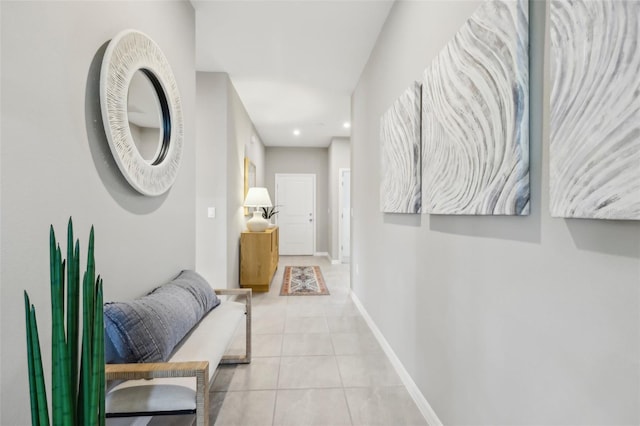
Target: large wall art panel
[
  {"x": 475, "y": 116},
  {"x": 595, "y": 109},
  {"x": 400, "y": 190}
]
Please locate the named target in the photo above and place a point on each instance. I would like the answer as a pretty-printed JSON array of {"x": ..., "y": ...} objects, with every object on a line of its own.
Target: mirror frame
[
  {"x": 249, "y": 180},
  {"x": 128, "y": 52}
]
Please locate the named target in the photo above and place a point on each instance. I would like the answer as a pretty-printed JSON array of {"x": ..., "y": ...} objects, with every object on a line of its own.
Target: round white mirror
[{"x": 142, "y": 112}]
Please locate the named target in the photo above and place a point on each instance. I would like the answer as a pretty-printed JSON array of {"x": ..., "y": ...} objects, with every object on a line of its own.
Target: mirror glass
[{"x": 145, "y": 116}]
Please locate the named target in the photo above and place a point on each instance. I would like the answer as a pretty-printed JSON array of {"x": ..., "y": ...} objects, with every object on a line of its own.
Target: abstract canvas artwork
[
  {"x": 400, "y": 190},
  {"x": 595, "y": 109},
  {"x": 475, "y": 116}
]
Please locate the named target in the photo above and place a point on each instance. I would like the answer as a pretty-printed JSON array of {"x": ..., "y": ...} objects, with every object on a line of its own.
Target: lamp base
[{"x": 257, "y": 223}]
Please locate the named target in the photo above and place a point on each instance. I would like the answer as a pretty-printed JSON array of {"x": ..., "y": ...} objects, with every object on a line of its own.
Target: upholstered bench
[{"x": 162, "y": 349}]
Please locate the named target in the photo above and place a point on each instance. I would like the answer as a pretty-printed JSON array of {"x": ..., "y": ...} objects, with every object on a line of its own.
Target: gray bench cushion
[{"x": 149, "y": 328}]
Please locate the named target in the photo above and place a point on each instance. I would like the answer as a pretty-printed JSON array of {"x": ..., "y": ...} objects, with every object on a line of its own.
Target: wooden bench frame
[{"x": 197, "y": 369}]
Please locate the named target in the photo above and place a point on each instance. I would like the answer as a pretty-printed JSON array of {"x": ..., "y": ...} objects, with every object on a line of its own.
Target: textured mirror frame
[{"x": 128, "y": 52}]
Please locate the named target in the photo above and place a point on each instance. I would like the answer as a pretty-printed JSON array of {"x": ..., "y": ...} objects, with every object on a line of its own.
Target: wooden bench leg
[
  {"x": 246, "y": 359},
  {"x": 202, "y": 398}
]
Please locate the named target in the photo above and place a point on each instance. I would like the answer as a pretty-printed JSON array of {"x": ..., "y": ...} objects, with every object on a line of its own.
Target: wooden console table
[{"x": 258, "y": 259}]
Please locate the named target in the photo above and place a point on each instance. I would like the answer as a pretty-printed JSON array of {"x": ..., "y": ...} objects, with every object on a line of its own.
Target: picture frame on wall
[
  {"x": 594, "y": 152},
  {"x": 249, "y": 179},
  {"x": 475, "y": 117},
  {"x": 400, "y": 153}
]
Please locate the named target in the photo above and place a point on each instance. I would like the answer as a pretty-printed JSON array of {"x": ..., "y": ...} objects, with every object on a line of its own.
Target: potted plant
[
  {"x": 268, "y": 213},
  {"x": 78, "y": 378}
]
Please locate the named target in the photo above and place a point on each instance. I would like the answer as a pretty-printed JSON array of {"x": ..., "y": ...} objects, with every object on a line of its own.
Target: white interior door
[
  {"x": 344, "y": 228},
  {"x": 296, "y": 198}
]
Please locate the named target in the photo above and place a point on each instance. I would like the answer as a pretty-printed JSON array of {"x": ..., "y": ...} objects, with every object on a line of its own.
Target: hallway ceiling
[{"x": 293, "y": 63}]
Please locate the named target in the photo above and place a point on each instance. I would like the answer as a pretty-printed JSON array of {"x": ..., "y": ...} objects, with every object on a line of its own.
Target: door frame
[
  {"x": 279, "y": 176},
  {"x": 341, "y": 255}
]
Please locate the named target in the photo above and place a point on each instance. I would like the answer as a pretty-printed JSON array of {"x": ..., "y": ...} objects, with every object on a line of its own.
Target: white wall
[
  {"x": 211, "y": 177},
  {"x": 56, "y": 163},
  {"x": 339, "y": 158},
  {"x": 499, "y": 320},
  {"x": 225, "y": 136},
  {"x": 303, "y": 160}
]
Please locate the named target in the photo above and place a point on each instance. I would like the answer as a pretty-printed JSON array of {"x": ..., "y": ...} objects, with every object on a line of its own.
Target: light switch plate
[{"x": 211, "y": 212}]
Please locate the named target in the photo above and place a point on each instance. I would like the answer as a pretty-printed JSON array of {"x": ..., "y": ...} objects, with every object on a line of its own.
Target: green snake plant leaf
[
  {"x": 100, "y": 355},
  {"x": 30, "y": 361},
  {"x": 42, "y": 418},
  {"x": 41, "y": 391},
  {"x": 62, "y": 394},
  {"x": 91, "y": 270},
  {"x": 73, "y": 290},
  {"x": 55, "y": 337},
  {"x": 84, "y": 406},
  {"x": 37, "y": 393},
  {"x": 85, "y": 365},
  {"x": 97, "y": 356}
]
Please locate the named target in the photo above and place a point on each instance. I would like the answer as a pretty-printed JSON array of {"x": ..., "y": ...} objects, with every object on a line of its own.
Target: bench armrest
[
  {"x": 246, "y": 293},
  {"x": 234, "y": 292},
  {"x": 156, "y": 370}
]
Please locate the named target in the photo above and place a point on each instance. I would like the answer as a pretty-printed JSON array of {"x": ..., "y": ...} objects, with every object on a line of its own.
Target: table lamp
[{"x": 257, "y": 197}]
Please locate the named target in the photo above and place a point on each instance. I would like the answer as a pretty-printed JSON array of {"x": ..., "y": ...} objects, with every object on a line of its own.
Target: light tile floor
[{"x": 315, "y": 362}]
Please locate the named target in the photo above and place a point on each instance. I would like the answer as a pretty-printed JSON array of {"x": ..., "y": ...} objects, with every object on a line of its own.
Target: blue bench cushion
[{"x": 149, "y": 328}]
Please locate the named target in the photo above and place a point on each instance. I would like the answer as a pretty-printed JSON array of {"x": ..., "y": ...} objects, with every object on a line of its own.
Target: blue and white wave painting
[
  {"x": 475, "y": 116},
  {"x": 400, "y": 154},
  {"x": 595, "y": 109}
]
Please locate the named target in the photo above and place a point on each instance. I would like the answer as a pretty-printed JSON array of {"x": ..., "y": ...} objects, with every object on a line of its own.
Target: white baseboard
[
  {"x": 128, "y": 421},
  {"x": 322, "y": 254},
  {"x": 422, "y": 403}
]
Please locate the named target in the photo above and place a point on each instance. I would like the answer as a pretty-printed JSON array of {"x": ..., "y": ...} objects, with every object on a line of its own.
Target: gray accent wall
[
  {"x": 339, "y": 158},
  {"x": 303, "y": 160},
  {"x": 498, "y": 320},
  {"x": 56, "y": 163},
  {"x": 225, "y": 135}
]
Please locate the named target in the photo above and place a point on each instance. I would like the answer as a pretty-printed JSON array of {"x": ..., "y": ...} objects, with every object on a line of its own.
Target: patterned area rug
[{"x": 303, "y": 281}]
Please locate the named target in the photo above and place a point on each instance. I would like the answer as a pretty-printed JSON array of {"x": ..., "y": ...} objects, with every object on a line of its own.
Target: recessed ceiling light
[
  {"x": 296, "y": 132},
  {"x": 346, "y": 125}
]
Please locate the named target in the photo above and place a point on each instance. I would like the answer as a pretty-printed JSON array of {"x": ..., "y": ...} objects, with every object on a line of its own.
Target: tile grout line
[
  {"x": 344, "y": 392},
  {"x": 277, "y": 390}
]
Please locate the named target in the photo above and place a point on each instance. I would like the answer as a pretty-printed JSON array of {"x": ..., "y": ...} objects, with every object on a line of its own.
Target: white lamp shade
[{"x": 258, "y": 197}]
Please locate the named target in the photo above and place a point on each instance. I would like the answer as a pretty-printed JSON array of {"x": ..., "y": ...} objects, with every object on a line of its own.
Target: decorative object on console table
[
  {"x": 269, "y": 213},
  {"x": 257, "y": 197},
  {"x": 259, "y": 255}
]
